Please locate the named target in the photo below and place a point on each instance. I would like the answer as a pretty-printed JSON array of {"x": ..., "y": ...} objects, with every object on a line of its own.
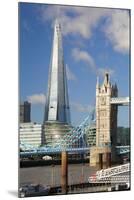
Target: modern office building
[
  {"x": 31, "y": 133},
  {"x": 25, "y": 112},
  {"x": 57, "y": 110}
]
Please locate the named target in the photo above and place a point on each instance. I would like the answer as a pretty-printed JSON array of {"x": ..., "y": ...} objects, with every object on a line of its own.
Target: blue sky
[{"x": 94, "y": 40}]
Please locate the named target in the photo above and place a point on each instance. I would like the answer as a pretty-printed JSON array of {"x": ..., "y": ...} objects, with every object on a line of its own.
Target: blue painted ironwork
[
  {"x": 47, "y": 151},
  {"x": 73, "y": 141},
  {"x": 32, "y": 151}
]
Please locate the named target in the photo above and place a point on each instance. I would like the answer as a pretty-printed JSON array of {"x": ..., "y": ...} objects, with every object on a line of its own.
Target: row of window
[
  {"x": 31, "y": 141},
  {"x": 31, "y": 127},
  {"x": 30, "y": 136}
]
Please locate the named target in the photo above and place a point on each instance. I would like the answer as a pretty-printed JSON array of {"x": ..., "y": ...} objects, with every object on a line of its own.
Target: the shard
[{"x": 57, "y": 110}]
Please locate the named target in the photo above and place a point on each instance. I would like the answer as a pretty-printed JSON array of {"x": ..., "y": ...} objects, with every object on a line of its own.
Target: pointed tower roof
[
  {"x": 106, "y": 78},
  {"x": 57, "y": 103},
  {"x": 97, "y": 82}
]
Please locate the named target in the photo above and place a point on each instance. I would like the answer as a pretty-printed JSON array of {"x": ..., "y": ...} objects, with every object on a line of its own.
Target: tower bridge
[
  {"x": 74, "y": 140},
  {"x": 58, "y": 134},
  {"x": 39, "y": 151}
]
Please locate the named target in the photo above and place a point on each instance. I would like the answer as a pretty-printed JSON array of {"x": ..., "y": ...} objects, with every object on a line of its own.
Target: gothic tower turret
[
  {"x": 103, "y": 108},
  {"x": 106, "y": 121}
]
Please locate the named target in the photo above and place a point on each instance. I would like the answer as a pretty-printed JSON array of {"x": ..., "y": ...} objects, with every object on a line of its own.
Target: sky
[{"x": 95, "y": 40}]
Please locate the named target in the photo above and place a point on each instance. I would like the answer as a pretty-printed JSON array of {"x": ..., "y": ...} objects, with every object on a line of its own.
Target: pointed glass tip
[
  {"x": 57, "y": 22},
  {"x": 57, "y": 25}
]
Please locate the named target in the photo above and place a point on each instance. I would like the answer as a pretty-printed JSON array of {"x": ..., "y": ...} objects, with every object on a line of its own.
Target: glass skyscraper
[{"x": 57, "y": 110}]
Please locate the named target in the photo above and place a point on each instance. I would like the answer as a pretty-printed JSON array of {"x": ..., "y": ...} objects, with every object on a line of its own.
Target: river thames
[
  {"x": 51, "y": 175},
  {"x": 78, "y": 174}
]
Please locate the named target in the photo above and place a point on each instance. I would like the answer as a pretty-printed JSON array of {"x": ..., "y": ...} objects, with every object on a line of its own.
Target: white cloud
[
  {"x": 75, "y": 20},
  {"x": 80, "y": 107},
  {"x": 37, "y": 99},
  {"x": 117, "y": 30},
  {"x": 82, "y": 21},
  {"x": 81, "y": 55},
  {"x": 70, "y": 74}
]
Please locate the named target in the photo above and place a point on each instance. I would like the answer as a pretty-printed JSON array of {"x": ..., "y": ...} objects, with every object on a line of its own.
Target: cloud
[
  {"x": 117, "y": 30},
  {"x": 70, "y": 74},
  {"x": 37, "y": 99},
  {"x": 80, "y": 107},
  {"x": 81, "y": 55},
  {"x": 82, "y": 21},
  {"x": 75, "y": 20}
]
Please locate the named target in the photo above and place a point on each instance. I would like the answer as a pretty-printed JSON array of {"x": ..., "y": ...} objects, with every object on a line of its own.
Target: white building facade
[{"x": 31, "y": 133}]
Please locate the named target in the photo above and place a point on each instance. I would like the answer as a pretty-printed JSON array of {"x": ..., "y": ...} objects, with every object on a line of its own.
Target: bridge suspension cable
[{"x": 68, "y": 141}]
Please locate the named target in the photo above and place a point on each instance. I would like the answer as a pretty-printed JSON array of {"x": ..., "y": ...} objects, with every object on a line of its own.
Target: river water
[{"x": 51, "y": 175}]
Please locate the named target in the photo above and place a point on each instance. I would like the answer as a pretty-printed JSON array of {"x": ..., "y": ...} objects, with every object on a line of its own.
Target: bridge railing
[
  {"x": 113, "y": 171},
  {"x": 111, "y": 175}
]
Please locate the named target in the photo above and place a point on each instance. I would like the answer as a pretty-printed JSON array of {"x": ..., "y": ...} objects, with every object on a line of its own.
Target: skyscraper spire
[
  {"x": 57, "y": 105},
  {"x": 57, "y": 108}
]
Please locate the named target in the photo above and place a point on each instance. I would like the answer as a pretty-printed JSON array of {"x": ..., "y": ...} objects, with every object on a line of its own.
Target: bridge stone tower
[
  {"x": 57, "y": 110},
  {"x": 106, "y": 121}
]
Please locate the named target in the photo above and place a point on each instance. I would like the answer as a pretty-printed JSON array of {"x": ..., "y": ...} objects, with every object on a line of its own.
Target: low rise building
[{"x": 31, "y": 133}]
